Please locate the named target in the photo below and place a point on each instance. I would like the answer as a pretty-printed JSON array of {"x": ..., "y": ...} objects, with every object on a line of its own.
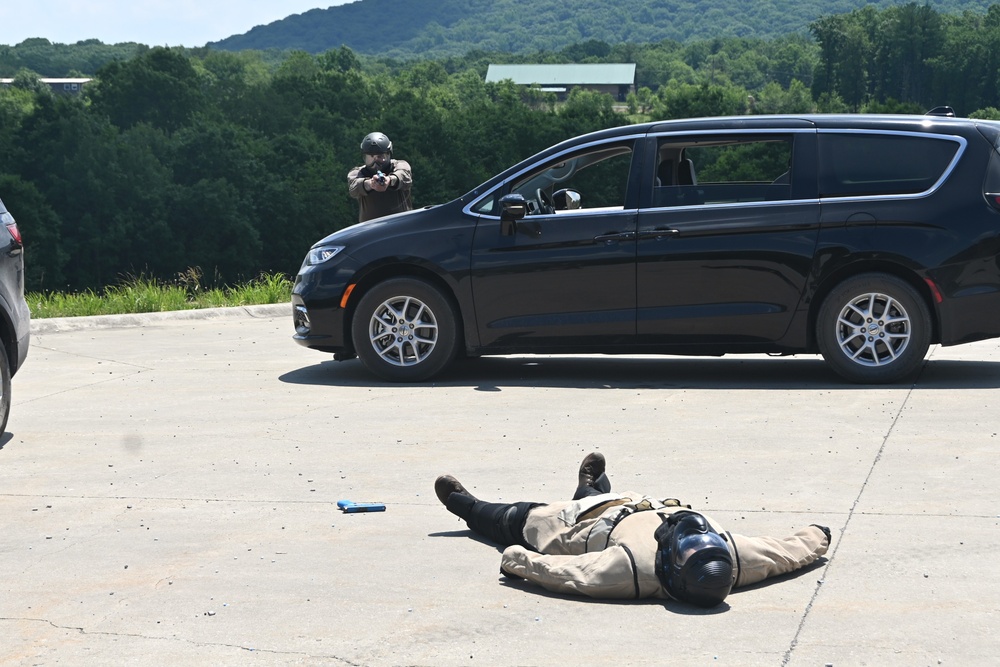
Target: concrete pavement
[{"x": 169, "y": 488}]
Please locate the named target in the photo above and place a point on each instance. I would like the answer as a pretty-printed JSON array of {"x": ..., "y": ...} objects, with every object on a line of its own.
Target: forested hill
[{"x": 454, "y": 27}]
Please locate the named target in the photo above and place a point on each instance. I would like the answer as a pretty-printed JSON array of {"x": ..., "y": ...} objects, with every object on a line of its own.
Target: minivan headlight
[{"x": 323, "y": 254}]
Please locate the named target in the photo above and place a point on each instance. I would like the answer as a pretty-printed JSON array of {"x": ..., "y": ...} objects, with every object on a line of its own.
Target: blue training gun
[{"x": 350, "y": 506}]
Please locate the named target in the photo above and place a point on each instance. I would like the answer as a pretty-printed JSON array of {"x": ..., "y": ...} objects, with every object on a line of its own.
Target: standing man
[{"x": 381, "y": 185}]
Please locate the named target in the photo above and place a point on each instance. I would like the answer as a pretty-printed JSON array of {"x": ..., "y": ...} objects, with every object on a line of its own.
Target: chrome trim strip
[
  {"x": 561, "y": 215},
  {"x": 737, "y": 204},
  {"x": 748, "y": 130},
  {"x": 961, "y": 141}
]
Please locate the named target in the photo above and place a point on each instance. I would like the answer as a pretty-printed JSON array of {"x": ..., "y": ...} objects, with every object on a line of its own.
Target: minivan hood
[{"x": 377, "y": 226}]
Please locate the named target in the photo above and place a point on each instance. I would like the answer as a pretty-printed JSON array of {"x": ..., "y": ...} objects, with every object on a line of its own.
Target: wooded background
[{"x": 235, "y": 162}]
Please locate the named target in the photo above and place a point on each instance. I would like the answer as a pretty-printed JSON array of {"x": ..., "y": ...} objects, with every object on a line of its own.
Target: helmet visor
[{"x": 694, "y": 543}]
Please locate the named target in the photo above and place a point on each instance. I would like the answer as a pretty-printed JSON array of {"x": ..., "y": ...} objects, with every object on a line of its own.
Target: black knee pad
[
  {"x": 502, "y": 523},
  {"x": 460, "y": 505}
]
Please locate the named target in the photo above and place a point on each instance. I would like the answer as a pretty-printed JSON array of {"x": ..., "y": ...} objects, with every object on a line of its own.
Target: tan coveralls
[
  {"x": 376, "y": 204},
  {"x": 603, "y": 547}
]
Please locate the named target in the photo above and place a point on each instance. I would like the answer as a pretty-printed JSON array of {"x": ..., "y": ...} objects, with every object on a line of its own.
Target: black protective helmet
[
  {"x": 693, "y": 561},
  {"x": 376, "y": 143}
]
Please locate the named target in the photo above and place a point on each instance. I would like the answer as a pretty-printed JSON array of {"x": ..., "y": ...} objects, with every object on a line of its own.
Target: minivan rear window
[{"x": 865, "y": 164}]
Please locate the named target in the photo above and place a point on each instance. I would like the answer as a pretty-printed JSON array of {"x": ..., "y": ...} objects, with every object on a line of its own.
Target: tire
[
  {"x": 4, "y": 387},
  {"x": 874, "y": 329},
  {"x": 404, "y": 330}
]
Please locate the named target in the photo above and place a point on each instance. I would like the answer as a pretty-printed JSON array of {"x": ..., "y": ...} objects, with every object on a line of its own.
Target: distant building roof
[
  {"x": 51, "y": 81},
  {"x": 57, "y": 81},
  {"x": 573, "y": 75}
]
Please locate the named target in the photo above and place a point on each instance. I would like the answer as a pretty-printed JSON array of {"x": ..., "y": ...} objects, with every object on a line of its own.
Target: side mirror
[
  {"x": 513, "y": 207},
  {"x": 566, "y": 199}
]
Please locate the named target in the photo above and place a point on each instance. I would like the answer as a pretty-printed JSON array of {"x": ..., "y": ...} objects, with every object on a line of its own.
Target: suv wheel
[
  {"x": 874, "y": 328},
  {"x": 4, "y": 387},
  {"x": 404, "y": 330}
]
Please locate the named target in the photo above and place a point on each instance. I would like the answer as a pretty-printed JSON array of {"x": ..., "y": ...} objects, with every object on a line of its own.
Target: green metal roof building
[{"x": 617, "y": 79}]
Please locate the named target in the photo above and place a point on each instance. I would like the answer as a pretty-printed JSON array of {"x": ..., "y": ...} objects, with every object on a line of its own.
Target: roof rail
[{"x": 941, "y": 111}]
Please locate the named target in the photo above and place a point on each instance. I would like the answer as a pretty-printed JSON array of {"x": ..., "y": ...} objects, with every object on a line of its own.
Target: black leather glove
[{"x": 826, "y": 531}]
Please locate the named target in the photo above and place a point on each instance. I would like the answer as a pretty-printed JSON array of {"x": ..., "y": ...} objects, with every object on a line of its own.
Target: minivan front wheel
[
  {"x": 404, "y": 330},
  {"x": 874, "y": 328}
]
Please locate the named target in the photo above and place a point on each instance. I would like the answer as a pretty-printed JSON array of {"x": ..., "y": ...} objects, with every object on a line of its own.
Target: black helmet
[
  {"x": 693, "y": 561},
  {"x": 376, "y": 143}
]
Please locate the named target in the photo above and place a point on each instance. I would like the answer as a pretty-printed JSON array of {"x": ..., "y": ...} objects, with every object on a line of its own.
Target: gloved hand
[{"x": 826, "y": 531}]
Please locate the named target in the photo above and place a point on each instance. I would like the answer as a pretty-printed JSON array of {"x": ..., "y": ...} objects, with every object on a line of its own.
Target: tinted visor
[
  {"x": 693, "y": 562},
  {"x": 691, "y": 544}
]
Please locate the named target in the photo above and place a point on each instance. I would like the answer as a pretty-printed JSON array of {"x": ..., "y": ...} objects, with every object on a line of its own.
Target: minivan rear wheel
[
  {"x": 404, "y": 330},
  {"x": 874, "y": 328}
]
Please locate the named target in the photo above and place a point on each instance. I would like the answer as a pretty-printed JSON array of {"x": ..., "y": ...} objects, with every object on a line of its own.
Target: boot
[
  {"x": 592, "y": 480},
  {"x": 592, "y": 467},
  {"x": 454, "y": 496},
  {"x": 445, "y": 485}
]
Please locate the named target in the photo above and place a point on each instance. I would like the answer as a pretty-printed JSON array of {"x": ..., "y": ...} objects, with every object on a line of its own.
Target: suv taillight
[
  {"x": 8, "y": 221},
  {"x": 15, "y": 233},
  {"x": 991, "y": 185}
]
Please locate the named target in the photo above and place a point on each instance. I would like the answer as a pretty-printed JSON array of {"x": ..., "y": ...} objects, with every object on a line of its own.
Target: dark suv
[
  {"x": 861, "y": 237},
  {"x": 15, "y": 320}
]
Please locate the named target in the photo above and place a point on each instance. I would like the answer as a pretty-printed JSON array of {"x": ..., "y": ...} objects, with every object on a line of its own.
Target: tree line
[
  {"x": 236, "y": 162},
  {"x": 439, "y": 28}
]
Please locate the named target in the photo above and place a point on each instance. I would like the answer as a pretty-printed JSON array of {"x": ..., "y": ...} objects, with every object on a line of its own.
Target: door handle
[
  {"x": 658, "y": 234},
  {"x": 612, "y": 237}
]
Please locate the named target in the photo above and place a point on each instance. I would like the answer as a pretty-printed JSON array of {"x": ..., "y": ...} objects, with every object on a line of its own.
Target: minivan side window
[
  {"x": 593, "y": 178},
  {"x": 722, "y": 170},
  {"x": 866, "y": 164},
  {"x": 485, "y": 205}
]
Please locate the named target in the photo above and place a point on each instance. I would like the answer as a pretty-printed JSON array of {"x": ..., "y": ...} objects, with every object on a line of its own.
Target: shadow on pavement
[
  {"x": 818, "y": 564},
  {"x": 804, "y": 372}
]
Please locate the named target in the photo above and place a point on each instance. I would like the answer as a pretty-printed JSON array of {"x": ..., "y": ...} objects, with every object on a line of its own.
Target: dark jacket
[{"x": 375, "y": 204}]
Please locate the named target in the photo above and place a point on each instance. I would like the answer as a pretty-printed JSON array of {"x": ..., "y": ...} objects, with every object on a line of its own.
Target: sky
[{"x": 150, "y": 22}]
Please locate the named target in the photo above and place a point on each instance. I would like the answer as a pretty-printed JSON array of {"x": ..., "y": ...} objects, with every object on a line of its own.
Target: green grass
[{"x": 147, "y": 295}]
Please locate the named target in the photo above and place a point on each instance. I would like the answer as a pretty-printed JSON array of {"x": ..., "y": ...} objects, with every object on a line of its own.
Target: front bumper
[
  {"x": 319, "y": 327},
  {"x": 320, "y": 323}
]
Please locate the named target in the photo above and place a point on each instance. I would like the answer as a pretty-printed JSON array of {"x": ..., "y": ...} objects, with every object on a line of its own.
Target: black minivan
[{"x": 865, "y": 238}]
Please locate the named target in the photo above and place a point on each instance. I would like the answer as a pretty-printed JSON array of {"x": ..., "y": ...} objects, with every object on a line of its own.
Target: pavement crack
[
  {"x": 91, "y": 357},
  {"x": 171, "y": 499},
  {"x": 832, "y": 554},
  {"x": 181, "y": 640},
  {"x": 134, "y": 370}
]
